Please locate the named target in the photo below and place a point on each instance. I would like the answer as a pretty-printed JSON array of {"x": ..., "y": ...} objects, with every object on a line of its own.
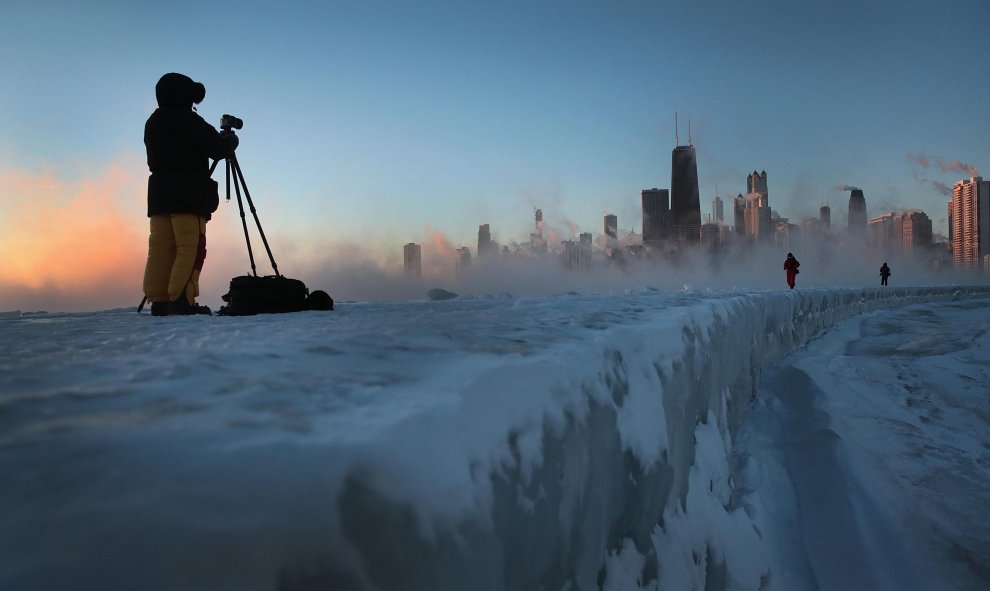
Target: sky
[{"x": 369, "y": 125}]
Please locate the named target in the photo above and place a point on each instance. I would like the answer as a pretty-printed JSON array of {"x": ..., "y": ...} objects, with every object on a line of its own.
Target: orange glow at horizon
[{"x": 71, "y": 237}]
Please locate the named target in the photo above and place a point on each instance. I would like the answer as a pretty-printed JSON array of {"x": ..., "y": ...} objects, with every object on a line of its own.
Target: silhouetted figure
[
  {"x": 181, "y": 194},
  {"x": 884, "y": 274},
  {"x": 791, "y": 265}
]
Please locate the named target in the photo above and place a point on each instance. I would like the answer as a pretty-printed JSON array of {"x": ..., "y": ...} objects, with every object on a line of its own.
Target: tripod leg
[
  {"x": 254, "y": 212},
  {"x": 240, "y": 206}
]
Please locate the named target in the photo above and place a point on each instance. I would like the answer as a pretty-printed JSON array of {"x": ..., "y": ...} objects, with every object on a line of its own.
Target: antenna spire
[
  {"x": 677, "y": 137},
  {"x": 689, "y": 133}
]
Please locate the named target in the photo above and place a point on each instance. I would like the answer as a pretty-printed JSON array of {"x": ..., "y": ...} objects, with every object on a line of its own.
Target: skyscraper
[
  {"x": 536, "y": 240},
  {"x": 710, "y": 235},
  {"x": 463, "y": 260},
  {"x": 969, "y": 212},
  {"x": 757, "y": 217},
  {"x": 685, "y": 204},
  {"x": 739, "y": 214},
  {"x": 485, "y": 244},
  {"x": 755, "y": 205},
  {"x": 916, "y": 231},
  {"x": 611, "y": 226},
  {"x": 656, "y": 216},
  {"x": 882, "y": 232},
  {"x": 718, "y": 211},
  {"x": 412, "y": 259},
  {"x": 857, "y": 211},
  {"x": 757, "y": 183},
  {"x": 825, "y": 215}
]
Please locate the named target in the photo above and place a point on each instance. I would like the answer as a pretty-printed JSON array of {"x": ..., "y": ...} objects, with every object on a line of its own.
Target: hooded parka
[{"x": 180, "y": 144}]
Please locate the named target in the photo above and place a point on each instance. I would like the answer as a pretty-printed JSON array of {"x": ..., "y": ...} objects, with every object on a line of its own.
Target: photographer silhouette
[{"x": 181, "y": 195}]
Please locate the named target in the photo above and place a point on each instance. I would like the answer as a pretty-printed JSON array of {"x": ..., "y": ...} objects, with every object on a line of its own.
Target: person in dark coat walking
[
  {"x": 181, "y": 194},
  {"x": 791, "y": 265},
  {"x": 884, "y": 274}
]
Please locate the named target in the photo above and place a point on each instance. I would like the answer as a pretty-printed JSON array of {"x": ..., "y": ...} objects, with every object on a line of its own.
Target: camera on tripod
[{"x": 229, "y": 122}]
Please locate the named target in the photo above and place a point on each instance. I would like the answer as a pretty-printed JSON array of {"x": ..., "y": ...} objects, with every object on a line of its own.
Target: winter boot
[{"x": 182, "y": 307}]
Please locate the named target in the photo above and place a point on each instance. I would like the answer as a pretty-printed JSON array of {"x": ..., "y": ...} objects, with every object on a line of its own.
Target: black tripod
[{"x": 238, "y": 182}]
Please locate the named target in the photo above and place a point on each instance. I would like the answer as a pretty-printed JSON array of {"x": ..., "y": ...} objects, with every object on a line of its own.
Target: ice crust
[{"x": 565, "y": 442}]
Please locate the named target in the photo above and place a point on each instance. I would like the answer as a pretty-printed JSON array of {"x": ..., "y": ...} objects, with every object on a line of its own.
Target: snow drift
[{"x": 568, "y": 442}]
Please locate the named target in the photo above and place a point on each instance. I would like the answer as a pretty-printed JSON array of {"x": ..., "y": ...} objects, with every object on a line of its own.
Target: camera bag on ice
[{"x": 271, "y": 294}]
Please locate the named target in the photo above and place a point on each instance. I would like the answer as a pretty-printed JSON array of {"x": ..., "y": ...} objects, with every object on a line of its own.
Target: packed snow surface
[{"x": 811, "y": 439}]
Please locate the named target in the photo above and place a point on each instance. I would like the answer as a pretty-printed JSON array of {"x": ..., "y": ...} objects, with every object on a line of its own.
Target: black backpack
[{"x": 271, "y": 294}]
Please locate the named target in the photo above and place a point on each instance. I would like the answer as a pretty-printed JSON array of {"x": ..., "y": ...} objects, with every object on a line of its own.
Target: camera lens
[{"x": 229, "y": 121}]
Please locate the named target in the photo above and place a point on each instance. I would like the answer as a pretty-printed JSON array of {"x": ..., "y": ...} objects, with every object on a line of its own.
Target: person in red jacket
[{"x": 791, "y": 265}]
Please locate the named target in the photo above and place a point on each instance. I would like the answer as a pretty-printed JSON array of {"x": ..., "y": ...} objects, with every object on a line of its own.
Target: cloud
[
  {"x": 80, "y": 244},
  {"x": 72, "y": 243},
  {"x": 846, "y": 188}
]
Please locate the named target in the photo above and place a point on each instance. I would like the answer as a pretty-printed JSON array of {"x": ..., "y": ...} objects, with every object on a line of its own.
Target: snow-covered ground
[
  {"x": 620, "y": 441},
  {"x": 866, "y": 459}
]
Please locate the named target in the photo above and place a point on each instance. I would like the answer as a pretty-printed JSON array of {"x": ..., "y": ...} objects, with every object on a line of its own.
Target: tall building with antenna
[
  {"x": 718, "y": 209},
  {"x": 685, "y": 204}
]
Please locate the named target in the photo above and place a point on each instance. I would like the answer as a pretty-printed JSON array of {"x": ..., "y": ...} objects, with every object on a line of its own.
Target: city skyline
[
  {"x": 372, "y": 125},
  {"x": 660, "y": 232},
  {"x": 657, "y": 200}
]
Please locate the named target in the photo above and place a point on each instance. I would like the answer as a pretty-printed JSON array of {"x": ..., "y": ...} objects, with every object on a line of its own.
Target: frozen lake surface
[{"x": 644, "y": 440}]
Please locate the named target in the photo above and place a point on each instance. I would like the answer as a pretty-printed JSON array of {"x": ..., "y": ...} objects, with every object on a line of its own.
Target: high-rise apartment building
[
  {"x": 577, "y": 254},
  {"x": 915, "y": 231},
  {"x": 685, "y": 204},
  {"x": 412, "y": 259},
  {"x": 881, "y": 233},
  {"x": 857, "y": 211},
  {"x": 786, "y": 234},
  {"x": 969, "y": 215},
  {"x": 908, "y": 232},
  {"x": 656, "y": 216}
]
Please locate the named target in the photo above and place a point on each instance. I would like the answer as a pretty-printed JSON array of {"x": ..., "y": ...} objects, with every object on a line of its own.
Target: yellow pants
[{"x": 176, "y": 251}]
